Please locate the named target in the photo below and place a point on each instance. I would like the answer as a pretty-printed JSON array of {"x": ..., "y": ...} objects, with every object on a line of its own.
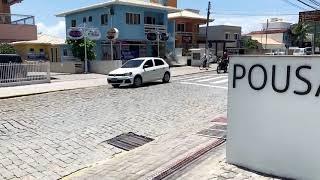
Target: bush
[{"x": 7, "y": 49}]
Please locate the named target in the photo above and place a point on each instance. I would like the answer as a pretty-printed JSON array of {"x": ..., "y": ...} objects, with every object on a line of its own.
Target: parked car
[
  {"x": 138, "y": 71},
  {"x": 299, "y": 52},
  {"x": 10, "y": 68},
  {"x": 309, "y": 50}
]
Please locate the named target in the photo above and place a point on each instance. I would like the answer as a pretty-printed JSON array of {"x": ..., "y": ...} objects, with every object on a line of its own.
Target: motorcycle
[{"x": 222, "y": 65}]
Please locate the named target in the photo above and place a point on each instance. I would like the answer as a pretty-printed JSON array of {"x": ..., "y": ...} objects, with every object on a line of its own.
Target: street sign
[
  {"x": 164, "y": 36},
  {"x": 152, "y": 36},
  {"x": 93, "y": 34},
  {"x": 273, "y": 115},
  {"x": 113, "y": 34},
  {"x": 75, "y": 33}
]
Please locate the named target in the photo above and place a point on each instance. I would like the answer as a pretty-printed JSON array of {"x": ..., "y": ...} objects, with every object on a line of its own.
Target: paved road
[{"x": 50, "y": 135}]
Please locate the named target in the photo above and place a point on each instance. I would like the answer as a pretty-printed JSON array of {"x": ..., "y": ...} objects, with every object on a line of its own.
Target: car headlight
[{"x": 128, "y": 74}]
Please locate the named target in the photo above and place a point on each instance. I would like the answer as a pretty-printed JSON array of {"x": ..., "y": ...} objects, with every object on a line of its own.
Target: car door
[
  {"x": 160, "y": 68},
  {"x": 149, "y": 71}
]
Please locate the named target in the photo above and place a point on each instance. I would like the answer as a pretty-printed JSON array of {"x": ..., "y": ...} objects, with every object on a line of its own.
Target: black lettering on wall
[
  {"x": 308, "y": 90},
  {"x": 265, "y": 77},
  {"x": 235, "y": 77},
  {"x": 318, "y": 92},
  {"x": 274, "y": 80}
]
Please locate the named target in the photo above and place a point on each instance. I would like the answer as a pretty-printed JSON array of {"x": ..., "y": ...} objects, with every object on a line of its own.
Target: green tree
[
  {"x": 299, "y": 33},
  {"x": 7, "y": 49},
  {"x": 251, "y": 44},
  {"x": 78, "y": 48}
]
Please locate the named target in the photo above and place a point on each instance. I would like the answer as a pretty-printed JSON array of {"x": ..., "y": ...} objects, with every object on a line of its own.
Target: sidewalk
[
  {"x": 156, "y": 159},
  {"x": 62, "y": 82}
]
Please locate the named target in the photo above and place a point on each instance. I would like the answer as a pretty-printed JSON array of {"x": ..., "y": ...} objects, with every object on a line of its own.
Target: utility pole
[
  {"x": 314, "y": 37},
  {"x": 208, "y": 19},
  {"x": 267, "y": 34},
  {"x": 85, "y": 50}
]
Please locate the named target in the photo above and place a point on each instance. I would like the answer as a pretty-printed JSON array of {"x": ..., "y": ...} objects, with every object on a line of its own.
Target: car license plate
[{"x": 114, "y": 80}]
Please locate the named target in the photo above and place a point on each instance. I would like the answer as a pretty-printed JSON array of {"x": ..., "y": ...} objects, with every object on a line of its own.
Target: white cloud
[
  {"x": 58, "y": 29},
  {"x": 249, "y": 23}
]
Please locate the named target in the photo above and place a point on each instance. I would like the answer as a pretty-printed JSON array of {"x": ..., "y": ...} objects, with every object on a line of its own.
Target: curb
[{"x": 176, "y": 166}]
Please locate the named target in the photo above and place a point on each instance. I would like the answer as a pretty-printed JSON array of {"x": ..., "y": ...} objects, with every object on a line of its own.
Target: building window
[
  {"x": 180, "y": 28},
  {"x": 227, "y": 36},
  {"x": 150, "y": 20},
  {"x": 73, "y": 23},
  {"x": 90, "y": 19},
  {"x": 104, "y": 19},
  {"x": 236, "y": 36},
  {"x": 132, "y": 18},
  {"x": 65, "y": 52},
  {"x": 31, "y": 50},
  {"x": 84, "y": 20}
]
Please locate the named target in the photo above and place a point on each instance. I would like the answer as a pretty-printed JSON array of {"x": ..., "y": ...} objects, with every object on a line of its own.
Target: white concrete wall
[
  {"x": 104, "y": 67},
  {"x": 67, "y": 67},
  {"x": 275, "y": 132}
]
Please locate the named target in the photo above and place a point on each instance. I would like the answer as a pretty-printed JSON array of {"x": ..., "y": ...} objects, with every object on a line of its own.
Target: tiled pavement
[{"x": 51, "y": 135}]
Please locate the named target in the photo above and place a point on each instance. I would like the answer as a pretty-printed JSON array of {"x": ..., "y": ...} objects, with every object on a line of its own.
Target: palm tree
[{"x": 299, "y": 33}]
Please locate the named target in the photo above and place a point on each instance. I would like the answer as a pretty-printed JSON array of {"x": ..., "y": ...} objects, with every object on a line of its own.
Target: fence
[{"x": 12, "y": 74}]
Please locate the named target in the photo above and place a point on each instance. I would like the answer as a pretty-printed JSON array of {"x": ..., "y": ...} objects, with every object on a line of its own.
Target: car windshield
[{"x": 133, "y": 64}]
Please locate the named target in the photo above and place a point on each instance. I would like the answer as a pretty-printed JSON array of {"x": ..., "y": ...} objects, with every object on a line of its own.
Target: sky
[{"x": 224, "y": 12}]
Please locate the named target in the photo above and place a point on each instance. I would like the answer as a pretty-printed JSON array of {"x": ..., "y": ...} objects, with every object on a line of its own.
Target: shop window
[{"x": 65, "y": 52}]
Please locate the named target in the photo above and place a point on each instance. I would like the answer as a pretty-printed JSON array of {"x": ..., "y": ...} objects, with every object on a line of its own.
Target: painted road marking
[
  {"x": 220, "y": 82},
  {"x": 205, "y": 85},
  {"x": 210, "y": 79}
]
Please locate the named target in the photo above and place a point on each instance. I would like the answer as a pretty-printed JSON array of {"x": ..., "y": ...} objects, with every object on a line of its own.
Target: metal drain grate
[{"x": 129, "y": 141}]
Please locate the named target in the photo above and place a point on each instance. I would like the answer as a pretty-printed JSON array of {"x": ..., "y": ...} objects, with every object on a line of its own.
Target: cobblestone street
[{"x": 49, "y": 136}]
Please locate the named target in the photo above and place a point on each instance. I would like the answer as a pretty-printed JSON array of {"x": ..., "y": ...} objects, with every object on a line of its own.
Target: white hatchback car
[{"x": 138, "y": 71}]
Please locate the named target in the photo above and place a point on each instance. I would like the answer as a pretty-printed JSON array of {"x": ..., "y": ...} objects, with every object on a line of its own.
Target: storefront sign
[
  {"x": 75, "y": 33},
  {"x": 273, "y": 115},
  {"x": 187, "y": 39},
  {"x": 93, "y": 34},
  {"x": 127, "y": 54},
  {"x": 113, "y": 34}
]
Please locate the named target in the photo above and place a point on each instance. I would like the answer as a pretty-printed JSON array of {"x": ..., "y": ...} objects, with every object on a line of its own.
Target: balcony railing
[
  {"x": 155, "y": 27},
  {"x": 16, "y": 19},
  {"x": 184, "y": 33}
]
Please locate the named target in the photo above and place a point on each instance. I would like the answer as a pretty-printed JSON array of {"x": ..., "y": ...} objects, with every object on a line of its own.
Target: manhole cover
[
  {"x": 213, "y": 133},
  {"x": 129, "y": 141},
  {"x": 221, "y": 127}
]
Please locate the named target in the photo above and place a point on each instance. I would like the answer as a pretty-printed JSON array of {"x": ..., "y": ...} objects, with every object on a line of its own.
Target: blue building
[{"x": 134, "y": 19}]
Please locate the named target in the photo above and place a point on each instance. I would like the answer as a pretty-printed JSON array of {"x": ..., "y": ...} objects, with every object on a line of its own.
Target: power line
[
  {"x": 315, "y": 2},
  {"x": 306, "y": 4},
  {"x": 295, "y": 5}
]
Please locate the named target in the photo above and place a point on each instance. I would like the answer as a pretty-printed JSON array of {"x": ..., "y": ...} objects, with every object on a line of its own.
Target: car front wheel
[
  {"x": 166, "y": 78},
  {"x": 137, "y": 82}
]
